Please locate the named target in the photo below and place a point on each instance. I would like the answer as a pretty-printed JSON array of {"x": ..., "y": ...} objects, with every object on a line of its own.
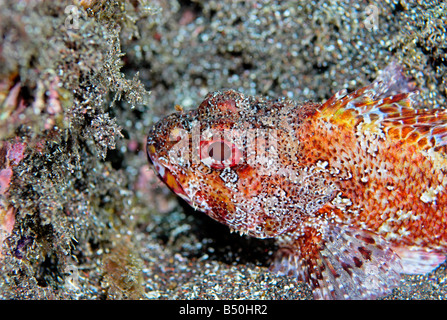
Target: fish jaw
[{"x": 163, "y": 170}]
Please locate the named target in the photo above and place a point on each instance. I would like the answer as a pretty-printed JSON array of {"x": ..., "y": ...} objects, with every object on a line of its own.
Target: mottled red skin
[{"x": 353, "y": 181}]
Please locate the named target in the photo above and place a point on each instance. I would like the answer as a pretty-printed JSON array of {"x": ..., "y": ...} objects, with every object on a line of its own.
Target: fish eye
[
  {"x": 219, "y": 154},
  {"x": 219, "y": 151}
]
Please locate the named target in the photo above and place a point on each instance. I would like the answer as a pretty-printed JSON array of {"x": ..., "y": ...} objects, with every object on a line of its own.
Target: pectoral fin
[
  {"x": 339, "y": 262},
  {"x": 418, "y": 260}
]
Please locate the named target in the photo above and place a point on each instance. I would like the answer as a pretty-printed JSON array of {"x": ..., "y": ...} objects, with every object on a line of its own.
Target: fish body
[{"x": 354, "y": 190}]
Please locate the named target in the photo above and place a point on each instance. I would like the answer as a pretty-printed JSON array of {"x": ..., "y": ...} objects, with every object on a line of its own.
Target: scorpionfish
[{"x": 354, "y": 190}]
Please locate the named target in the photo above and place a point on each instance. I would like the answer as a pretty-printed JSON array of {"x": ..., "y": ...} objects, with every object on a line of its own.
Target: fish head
[{"x": 221, "y": 159}]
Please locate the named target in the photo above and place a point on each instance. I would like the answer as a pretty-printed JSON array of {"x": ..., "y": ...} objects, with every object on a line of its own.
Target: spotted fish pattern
[{"x": 353, "y": 189}]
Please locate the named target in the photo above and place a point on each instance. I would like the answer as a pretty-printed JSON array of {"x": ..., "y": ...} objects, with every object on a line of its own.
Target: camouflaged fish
[{"x": 353, "y": 189}]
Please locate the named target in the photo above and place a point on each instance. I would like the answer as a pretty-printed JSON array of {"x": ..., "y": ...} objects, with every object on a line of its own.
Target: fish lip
[{"x": 165, "y": 174}]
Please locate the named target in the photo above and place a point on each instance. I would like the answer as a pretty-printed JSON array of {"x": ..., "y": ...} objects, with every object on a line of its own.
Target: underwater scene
[{"x": 214, "y": 150}]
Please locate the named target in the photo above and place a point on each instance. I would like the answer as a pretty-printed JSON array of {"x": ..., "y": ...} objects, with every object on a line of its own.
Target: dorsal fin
[
  {"x": 387, "y": 102},
  {"x": 427, "y": 128}
]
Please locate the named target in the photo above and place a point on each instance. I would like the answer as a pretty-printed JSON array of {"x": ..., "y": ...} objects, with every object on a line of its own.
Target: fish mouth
[{"x": 166, "y": 175}]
